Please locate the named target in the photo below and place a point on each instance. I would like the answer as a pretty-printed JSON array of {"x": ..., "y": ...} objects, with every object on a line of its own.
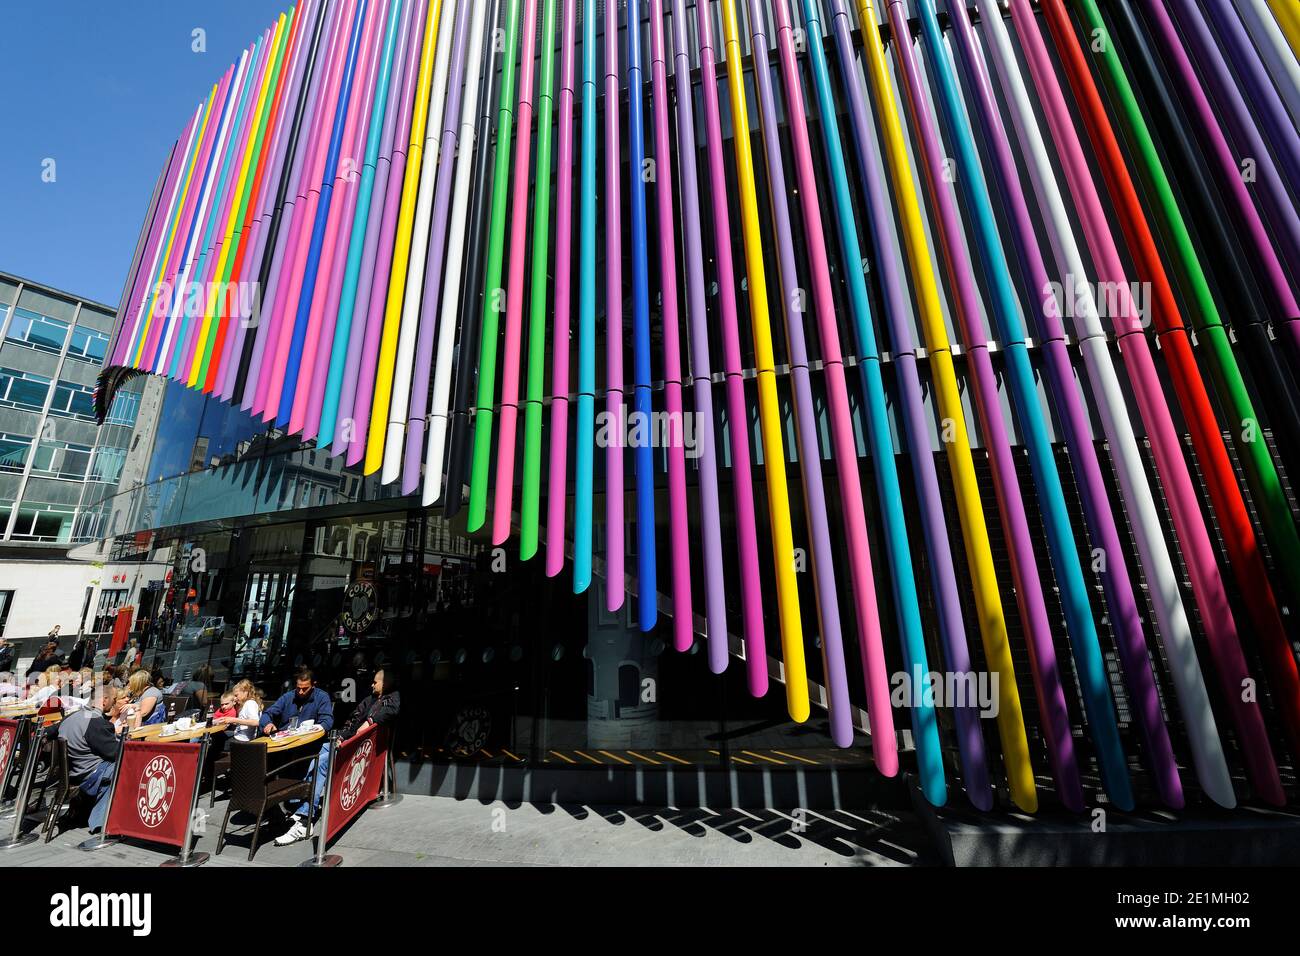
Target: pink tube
[
  {"x": 503, "y": 495},
  {"x": 614, "y": 518},
  {"x": 559, "y": 446}
]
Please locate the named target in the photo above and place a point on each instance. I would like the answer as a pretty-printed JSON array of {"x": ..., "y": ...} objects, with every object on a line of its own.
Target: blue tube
[
  {"x": 585, "y": 433},
  {"x": 318, "y": 228},
  {"x": 1024, "y": 394},
  {"x": 647, "y": 587}
]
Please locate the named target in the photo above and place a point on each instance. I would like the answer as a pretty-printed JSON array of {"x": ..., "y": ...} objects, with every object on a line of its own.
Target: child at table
[
  {"x": 227, "y": 708},
  {"x": 249, "y": 701}
]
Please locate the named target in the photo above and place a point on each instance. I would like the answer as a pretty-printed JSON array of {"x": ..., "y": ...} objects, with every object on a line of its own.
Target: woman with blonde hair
[
  {"x": 249, "y": 701},
  {"x": 145, "y": 698}
]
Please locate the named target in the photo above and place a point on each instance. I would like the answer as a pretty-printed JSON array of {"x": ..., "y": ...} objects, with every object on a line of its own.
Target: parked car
[{"x": 207, "y": 640}]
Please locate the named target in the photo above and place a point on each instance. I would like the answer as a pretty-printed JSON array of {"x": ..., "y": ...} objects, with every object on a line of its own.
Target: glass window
[
  {"x": 126, "y": 405},
  {"x": 73, "y": 400},
  {"x": 37, "y": 523},
  {"x": 37, "y": 331},
  {"x": 23, "y": 389},
  {"x": 107, "y": 465},
  {"x": 88, "y": 344},
  {"x": 13, "y": 452},
  {"x": 58, "y": 459}
]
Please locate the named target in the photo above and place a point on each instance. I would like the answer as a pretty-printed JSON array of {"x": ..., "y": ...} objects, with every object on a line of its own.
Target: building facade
[
  {"x": 54, "y": 455},
  {"x": 731, "y": 385}
]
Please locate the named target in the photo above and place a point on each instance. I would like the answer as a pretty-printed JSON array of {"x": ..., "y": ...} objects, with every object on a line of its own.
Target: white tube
[
  {"x": 436, "y": 449},
  {"x": 1171, "y": 616},
  {"x": 406, "y": 339}
]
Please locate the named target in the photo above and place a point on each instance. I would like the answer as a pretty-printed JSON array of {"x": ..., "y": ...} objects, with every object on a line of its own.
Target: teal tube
[{"x": 585, "y": 433}]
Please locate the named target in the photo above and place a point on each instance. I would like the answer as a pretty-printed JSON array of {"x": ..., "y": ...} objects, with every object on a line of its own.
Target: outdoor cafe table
[{"x": 281, "y": 744}]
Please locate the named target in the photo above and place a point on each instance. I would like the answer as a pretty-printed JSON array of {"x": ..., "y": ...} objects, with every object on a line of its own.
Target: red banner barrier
[
  {"x": 8, "y": 739},
  {"x": 155, "y": 788},
  {"x": 357, "y": 777}
]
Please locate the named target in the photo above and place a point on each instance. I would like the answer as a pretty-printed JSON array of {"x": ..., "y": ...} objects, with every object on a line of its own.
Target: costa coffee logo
[
  {"x": 360, "y": 607},
  {"x": 355, "y": 776},
  {"x": 157, "y": 789}
]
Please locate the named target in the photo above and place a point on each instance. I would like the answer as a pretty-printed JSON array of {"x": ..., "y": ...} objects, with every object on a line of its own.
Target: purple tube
[
  {"x": 258, "y": 233},
  {"x": 697, "y": 314},
  {"x": 379, "y": 268},
  {"x": 312, "y": 390},
  {"x": 678, "y": 516},
  {"x": 1267, "y": 109},
  {"x": 557, "y": 479},
  {"x": 375, "y": 223},
  {"x": 418, "y": 408},
  {"x": 806, "y": 431},
  {"x": 614, "y": 517},
  {"x": 1100, "y": 519},
  {"x": 268, "y": 327},
  {"x": 145, "y": 278},
  {"x": 737, "y": 414},
  {"x": 1233, "y": 109}
]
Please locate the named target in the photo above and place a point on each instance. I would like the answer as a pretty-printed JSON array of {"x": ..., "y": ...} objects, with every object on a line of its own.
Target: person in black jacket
[
  {"x": 48, "y": 657},
  {"x": 380, "y": 707}
]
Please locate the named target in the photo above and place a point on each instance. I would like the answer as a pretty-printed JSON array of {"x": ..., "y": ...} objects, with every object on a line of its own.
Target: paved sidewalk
[{"x": 440, "y": 831}]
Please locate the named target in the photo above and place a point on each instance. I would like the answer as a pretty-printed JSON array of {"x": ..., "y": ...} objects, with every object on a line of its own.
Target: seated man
[
  {"x": 305, "y": 702},
  {"x": 92, "y": 752}
]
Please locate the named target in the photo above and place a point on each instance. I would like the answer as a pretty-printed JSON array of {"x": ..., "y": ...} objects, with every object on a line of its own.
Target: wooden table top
[
  {"x": 155, "y": 732},
  {"x": 275, "y": 745}
]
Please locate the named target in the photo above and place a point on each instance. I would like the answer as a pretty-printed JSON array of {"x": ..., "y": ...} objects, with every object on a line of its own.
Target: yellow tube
[
  {"x": 988, "y": 603},
  {"x": 236, "y": 207},
  {"x": 171, "y": 236},
  {"x": 401, "y": 250},
  {"x": 769, "y": 413},
  {"x": 1287, "y": 13}
]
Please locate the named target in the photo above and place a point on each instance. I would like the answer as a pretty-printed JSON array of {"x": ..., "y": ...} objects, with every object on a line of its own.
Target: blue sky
[{"x": 102, "y": 87}]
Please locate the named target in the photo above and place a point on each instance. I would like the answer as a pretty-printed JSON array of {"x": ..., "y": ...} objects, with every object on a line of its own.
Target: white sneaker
[{"x": 292, "y": 835}]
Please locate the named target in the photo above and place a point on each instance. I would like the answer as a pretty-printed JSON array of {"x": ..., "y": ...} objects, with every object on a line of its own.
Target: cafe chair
[
  {"x": 56, "y": 777},
  {"x": 220, "y": 768},
  {"x": 254, "y": 788}
]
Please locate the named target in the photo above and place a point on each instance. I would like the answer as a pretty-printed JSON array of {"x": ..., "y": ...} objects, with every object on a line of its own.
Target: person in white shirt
[{"x": 249, "y": 701}]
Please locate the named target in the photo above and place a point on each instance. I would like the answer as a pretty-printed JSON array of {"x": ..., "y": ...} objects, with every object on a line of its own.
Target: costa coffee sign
[{"x": 155, "y": 790}]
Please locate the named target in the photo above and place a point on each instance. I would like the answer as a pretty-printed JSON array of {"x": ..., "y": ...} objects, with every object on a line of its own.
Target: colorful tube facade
[{"x": 403, "y": 231}]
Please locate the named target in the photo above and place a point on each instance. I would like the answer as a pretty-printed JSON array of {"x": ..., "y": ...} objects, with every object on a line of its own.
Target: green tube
[
  {"x": 529, "y": 503},
  {"x": 1225, "y": 375},
  {"x": 493, "y": 294}
]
